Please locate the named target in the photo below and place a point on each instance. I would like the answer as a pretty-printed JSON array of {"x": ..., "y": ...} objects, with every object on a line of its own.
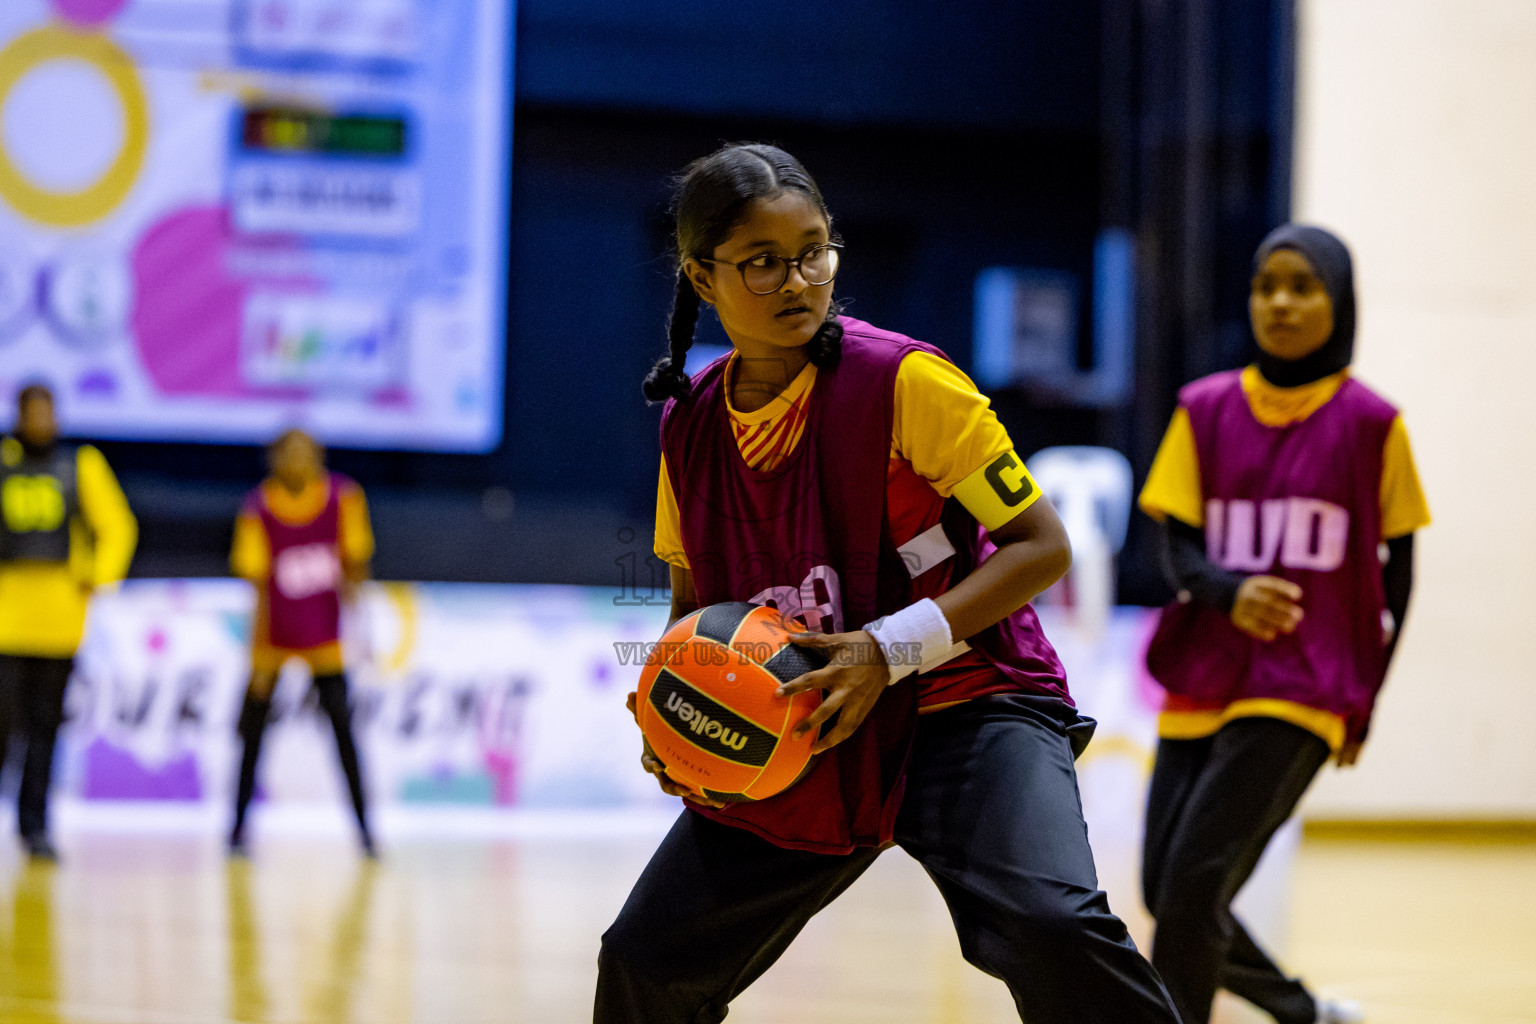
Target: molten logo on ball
[
  {"x": 714, "y": 728},
  {"x": 701, "y": 723}
]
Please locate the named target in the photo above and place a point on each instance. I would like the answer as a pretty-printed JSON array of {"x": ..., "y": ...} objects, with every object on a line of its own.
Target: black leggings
[
  {"x": 332, "y": 690},
  {"x": 991, "y": 812},
  {"x": 32, "y": 699},
  {"x": 1213, "y": 806}
]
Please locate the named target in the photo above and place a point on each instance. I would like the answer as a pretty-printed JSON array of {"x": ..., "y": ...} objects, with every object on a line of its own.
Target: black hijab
[{"x": 1332, "y": 264}]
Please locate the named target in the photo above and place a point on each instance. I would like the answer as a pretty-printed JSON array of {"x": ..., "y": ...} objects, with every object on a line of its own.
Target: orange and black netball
[{"x": 706, "y": 702}]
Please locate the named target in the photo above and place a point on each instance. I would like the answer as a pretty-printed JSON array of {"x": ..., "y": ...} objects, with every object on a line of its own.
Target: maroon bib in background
[
  {"x": 1301, "y": 502},
  {"x": 304, "y": 578}
]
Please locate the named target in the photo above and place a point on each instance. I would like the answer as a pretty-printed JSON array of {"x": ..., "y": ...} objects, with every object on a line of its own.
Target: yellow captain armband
[{"x": 998, "y": 491}]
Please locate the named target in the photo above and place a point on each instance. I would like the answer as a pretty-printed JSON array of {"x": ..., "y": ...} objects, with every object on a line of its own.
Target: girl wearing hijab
[{"x": 1289, "y": 499}]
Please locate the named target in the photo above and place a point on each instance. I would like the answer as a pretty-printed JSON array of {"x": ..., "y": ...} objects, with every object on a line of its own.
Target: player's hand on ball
[
  {"x": 652, "y": 764},
  {"x": 854, "y": 677},
  {"x": 1266, "y": 607}
]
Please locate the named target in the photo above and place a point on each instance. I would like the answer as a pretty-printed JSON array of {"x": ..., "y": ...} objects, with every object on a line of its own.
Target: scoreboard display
[{"x": 221, "y": 218}]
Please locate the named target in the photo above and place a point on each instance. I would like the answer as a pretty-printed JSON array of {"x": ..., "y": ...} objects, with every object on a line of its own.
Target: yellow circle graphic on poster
[{"x": 66, "y": 209}]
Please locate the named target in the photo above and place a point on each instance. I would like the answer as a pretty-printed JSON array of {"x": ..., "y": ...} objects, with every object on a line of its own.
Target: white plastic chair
[{"x": 1091, "y": 489}]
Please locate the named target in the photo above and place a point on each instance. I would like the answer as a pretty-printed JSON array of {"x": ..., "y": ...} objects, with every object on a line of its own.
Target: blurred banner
[
  {"x": 219, "y": 218},
  {"x": 477, "y": 694},
  {"x": 490, "y": 695}
]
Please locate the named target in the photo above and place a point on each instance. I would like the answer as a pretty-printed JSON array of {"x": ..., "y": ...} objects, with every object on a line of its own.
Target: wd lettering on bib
[
  {"x": 1297, "y": 533},
  {"x": 307, "y": 569},
  {"x": 709, "y": 725}
]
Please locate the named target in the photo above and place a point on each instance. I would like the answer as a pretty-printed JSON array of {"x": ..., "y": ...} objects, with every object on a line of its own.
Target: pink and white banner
[
  {"x": 464, "y": 694},
  {"x": 490, "y": 695},
  {"x": 220, "y": 218}
]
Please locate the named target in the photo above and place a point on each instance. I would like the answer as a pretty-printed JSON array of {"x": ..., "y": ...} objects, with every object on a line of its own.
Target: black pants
[
  {"x": 32, "y": 701},
  {"x": 991, "y": 812},
  {"x": 1214, "y": 804},
  {"x": 332, "y": 691}
]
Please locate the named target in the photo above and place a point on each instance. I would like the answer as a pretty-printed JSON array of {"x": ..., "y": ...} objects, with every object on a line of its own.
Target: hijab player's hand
[
  {"x": 855, "y": 675},
  {"x": 1266, "y": 607}
]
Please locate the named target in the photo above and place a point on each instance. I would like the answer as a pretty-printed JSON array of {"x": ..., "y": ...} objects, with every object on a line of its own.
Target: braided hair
[{"x": 709, "y": 200}]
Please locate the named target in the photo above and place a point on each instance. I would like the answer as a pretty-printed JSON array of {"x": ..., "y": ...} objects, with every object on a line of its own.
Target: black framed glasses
[{"x": 766, "y": 272}]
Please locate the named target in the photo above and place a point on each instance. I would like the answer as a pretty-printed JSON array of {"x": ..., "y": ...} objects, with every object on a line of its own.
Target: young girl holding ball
[{"x": 856, "y": 479}]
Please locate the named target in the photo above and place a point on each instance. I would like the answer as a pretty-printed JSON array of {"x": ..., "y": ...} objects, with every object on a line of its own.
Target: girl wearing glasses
[
  {"x": 1280, "y": 487},
  {"x": 856, "y": 479}
]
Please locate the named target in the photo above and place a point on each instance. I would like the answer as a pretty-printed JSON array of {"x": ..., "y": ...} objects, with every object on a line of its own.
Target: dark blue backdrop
[{"x": 946, "y": 137}]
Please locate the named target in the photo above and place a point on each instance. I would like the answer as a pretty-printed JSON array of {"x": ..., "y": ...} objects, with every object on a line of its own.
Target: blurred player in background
[
  {"x": 65, "y": 529},
  {"x": 304, "y": 541},
  {"x": 1289, "y": 498}
]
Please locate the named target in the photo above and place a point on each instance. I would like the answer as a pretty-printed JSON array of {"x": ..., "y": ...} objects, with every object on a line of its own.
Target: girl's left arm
[
  {"x": 1397, "y": 581},
  {"x": 1032, "y": 553},
  {"x": 1404, "y": 511},
  {"x": 684, "y": 600},
  {"x": 355, "y": 538}
]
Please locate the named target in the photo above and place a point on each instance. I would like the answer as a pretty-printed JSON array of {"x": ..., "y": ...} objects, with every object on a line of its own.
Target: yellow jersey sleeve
[
  {"x": 1403, "y": 506},
  {"x": 114, "y": 530},
  {"x": 942, "y": 424},
  {"x": 250, "y": 557},
  {"x": 356, "y": 541},
  {"x": 668, "y": 544},
  {"x": 1173, "y": 483},
  {"x": 946, "y": 429}
]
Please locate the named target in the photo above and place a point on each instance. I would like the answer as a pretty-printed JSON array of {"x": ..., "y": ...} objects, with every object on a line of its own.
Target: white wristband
[{"x": 914, "y": 639}]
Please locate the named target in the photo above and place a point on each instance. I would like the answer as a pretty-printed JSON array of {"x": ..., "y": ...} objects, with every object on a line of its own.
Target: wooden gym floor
[{"x": 137, "y": 928}]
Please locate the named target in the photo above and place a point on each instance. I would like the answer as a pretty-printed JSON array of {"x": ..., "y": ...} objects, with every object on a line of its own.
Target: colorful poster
[
  {"x": 471, "y": 694},
  {"x": 220, "y": 218},
  {"x": 468, "y": 694}
]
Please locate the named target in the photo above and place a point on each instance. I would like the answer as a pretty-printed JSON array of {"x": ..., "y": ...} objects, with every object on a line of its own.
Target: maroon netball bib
[
  {"x": 304, "y": 580},
  {"x": 1302, "y": 502}
]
